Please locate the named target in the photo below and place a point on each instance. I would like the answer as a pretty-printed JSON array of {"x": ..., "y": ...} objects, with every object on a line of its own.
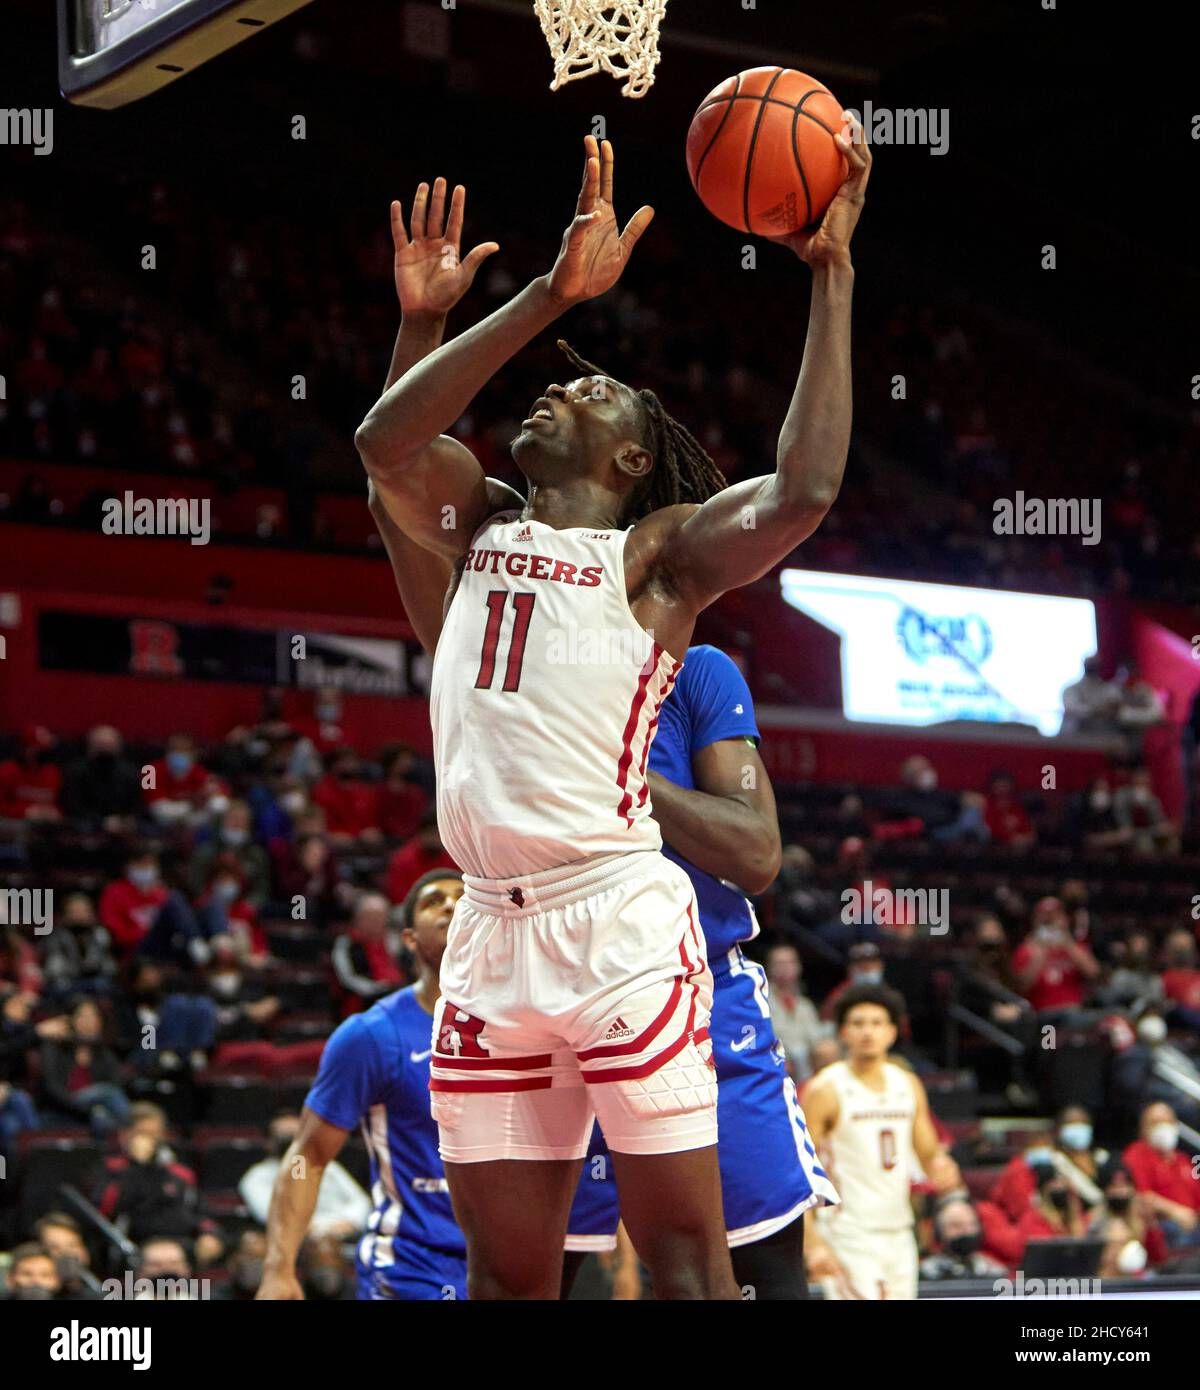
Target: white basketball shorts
[{"x": 579, "y": 992}]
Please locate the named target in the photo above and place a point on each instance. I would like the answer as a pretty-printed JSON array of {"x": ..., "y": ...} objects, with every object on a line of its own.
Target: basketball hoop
[{"x": 619, "y": 37}]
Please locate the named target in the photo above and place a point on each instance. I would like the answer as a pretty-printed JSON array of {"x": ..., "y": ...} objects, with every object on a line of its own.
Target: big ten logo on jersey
[{"x": 458, "y": 1033}]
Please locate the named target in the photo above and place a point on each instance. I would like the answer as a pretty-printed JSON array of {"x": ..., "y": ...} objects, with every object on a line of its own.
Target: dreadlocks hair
[{"x": 682, "y": 471}]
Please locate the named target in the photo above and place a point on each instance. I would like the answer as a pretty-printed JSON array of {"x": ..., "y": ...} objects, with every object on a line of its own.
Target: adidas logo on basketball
[
  {"x": 524, "y": 534},
  {"x": 618, "y": 1029}
]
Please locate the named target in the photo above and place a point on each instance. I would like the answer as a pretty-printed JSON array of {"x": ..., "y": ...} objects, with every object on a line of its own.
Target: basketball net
[{"x": 619, "y": 37}]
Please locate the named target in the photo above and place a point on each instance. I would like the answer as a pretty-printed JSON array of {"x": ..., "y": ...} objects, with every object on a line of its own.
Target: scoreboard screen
[{"x": 111, "y": 52}]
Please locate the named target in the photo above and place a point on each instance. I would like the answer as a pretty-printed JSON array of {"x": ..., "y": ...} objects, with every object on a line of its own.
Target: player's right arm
[
  {"x": 293, "y": 1201},
  {"x": 432, "y": 486}
]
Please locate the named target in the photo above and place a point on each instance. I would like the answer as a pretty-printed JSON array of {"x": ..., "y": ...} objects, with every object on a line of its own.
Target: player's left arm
[
  {"x": 940, "y": 1168},
  {"x": 742, "y": 532},
  {"x": 728, "y": 825}
]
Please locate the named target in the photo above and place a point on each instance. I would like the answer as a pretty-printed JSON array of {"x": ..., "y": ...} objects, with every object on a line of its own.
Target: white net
[{"x": 619, "y": 37}]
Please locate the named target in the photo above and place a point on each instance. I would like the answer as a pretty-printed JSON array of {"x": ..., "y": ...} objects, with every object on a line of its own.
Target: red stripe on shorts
[
  {"x": 440, "y": 1059},
  {"x": 648, "y": 1035},
  {"x": 645, "y": 1068},
  {"x": 524, "y": 1083}
]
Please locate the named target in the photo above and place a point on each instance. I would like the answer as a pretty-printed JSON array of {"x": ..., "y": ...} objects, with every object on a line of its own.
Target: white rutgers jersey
[
  {"x": 871, "y": 1149},
  {"x": 544, "y": 700}
]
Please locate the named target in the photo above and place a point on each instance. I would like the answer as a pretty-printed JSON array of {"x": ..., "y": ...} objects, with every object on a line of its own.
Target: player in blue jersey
[
  {"x": 374, "y": 1073},
  {"x": 714, "y": 804},
  {"x": 713, "y": 801}
]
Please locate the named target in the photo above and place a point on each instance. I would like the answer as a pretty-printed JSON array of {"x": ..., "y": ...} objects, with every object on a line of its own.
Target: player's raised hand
[
  {"x": 430, "y": 276},
  {"x": 594, "y": 250},
  {"x": 830, "y": 243}
]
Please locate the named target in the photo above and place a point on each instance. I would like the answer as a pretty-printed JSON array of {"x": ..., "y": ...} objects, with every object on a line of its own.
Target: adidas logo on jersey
[
  {"x": 618, "y": 1029},
  {"x": 525, "y": 533}
]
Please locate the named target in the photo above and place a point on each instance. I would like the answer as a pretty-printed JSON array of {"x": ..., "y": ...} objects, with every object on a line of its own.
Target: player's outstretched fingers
[
  {"x": 416, "y": 222},
  {"x": 435, "y": 218},
  {"x": 454, "y": 226},
  {"x": 635, "y": 227},
  {"x": 476, "y": 257},
  {"x": 399, "y": 235},
  {"x": 591, "y": 176},
  {"x": 606, "y": 171}
]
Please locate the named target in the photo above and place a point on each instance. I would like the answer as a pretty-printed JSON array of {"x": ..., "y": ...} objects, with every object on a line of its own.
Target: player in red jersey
[{"x": 561, "y": 999}]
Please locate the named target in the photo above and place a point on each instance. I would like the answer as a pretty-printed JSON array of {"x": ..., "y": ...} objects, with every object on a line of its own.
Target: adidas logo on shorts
[{"x": 618, "y": 1029}]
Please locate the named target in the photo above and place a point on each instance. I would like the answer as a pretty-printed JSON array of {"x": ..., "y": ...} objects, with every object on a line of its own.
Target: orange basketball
[{"x": 761, "y": 154}]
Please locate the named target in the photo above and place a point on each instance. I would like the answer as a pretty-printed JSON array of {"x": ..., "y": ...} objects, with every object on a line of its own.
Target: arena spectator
[
  {"x": 1055, "y": 1211},
  {"x": 143, "y": 916},
  {"x": 958, "y": 1237},
  {"x": 181, "y": 788},
  {"x": 1094, "y": 818},
  {"x": 18, "y": 1040},
  {"x": 793, "y": 1014},
  {"x": 104, "y": 789},
  {"x": 32, "y": 1273},
  {"x": 350, "y": 803},
  {"x": 324, "y": 1269},
  {"x": 19, "y": 968},
  {"x": 1140, "y": 709},
  {"x": 864, "y": 966},
  {"x": 1090, "y": 704},
  {"x": 150, "y": 1194},
  {"x": 1123, "y": 1203},
  {"x": 245, "y": 1268},
  {"x": 1007, "y": 820},
  {"x": 81, "y": 1077},
  {"x": 1053, "y": 970},
  {"x": 234, "y": 837},
  {"x": 919, "y": 809},
  {"x": 30, "y": 782},
  {"x": 307, "y": 874},
  {"x": 402, "y": 802},
  {"x": 1140, "y": 812},
  {"x": 417, "y": 856},
  {"x": 1070, "y": 1152},
  {"x": 797, "y": 891},
  {"x": 1152, "y": 1068},
  {"x": 342, "y": 1206},
  {"x": 323, "y": 728},
  {"x": 165, "y": 1261},
  {"x": 78, "y": 954},
  {"x": 1134, "y": 984},
  {"x": 1181, "y": 979},
  {"x": 365, "y": 956},
  {"x": 1164, "y": 1175},
  {"x": 224, "y": 910},
  {"x": 987, "y": 986},
  {"x": 61, "y": 1235}
]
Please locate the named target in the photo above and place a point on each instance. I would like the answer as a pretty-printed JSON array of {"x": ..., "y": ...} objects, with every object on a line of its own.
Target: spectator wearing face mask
[
  {"x": 81, "y": 1077},
  {"x": 1134, "y": 984},
  {"x": 181, "y": 787},
  {"x": 60, "y": 1234},
  {"x": 104, "y": 789},
  {"x": 234, "y": 838},
  {"x": 325, "y": 1272},
  {"x": 1163, "y": 1175},
  {"x": 323, "y": 728},
  {"x": 958, "y": 1235},
  {"x": 1139, "y": 811},
  {"x": 165, "y": 1261},
  {"x": 920, "y": 810},
  {"x": 342, "y": 1206},
  {"x": 224, "y": 910},
  {"x": 1053, "y": 970},
  {"x": 402, "y": 802},
  {"x": 1071, "y": 1153},
  {"x": 1055, "y": 1211},
  {"x": 145, "y": 918},
  {"x": 245, "y": 1268},
  {"x": 1141, "y": 1242},
  {"x": 79, "y": 956},
  {"x": 308, "y": 874},
  {"x": 987, "y": 987},
  {"x": 350, "y": 803},
  {"x": 798, "y": 895},
  {"x": 18, "y": 1040},
  {"x": 30, "y": 782},
  {"x": 1152, "y": 1068},
  {"x": 32, "y": 1274},
  {"x": 1095, "y": 825}
]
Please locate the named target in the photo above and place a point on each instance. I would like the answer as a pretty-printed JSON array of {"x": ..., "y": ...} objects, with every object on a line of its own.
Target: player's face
[
  {"x": 868, "y": 1032},
  {"x": 431, "y": 919},
  {"x": 575, "y": 430}
]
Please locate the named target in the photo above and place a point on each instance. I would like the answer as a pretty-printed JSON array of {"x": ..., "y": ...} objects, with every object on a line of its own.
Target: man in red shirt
[
  {"x": 417, "y": 856},
  {"x": 1006, "y": 818},
  {"x": 29, "y": 783},
  {"x": 351, "y": 805},
  {"x": 1165, "y": 1176},
  {"x": 181, "y": 785},
  {"x": 1052, "y": 969},
  {"x": 144, "y": 917}
]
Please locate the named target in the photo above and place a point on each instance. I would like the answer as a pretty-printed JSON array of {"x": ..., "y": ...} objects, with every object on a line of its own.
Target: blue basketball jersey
[
  {"x": 375, "y": 1073},
  {"x": 710, "y": 702}
]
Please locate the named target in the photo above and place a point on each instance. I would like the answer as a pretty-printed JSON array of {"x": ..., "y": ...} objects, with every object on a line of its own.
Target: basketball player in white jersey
[
  {"x": 574, "y": 979},
  {"x": 870, "y": 1121}
]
